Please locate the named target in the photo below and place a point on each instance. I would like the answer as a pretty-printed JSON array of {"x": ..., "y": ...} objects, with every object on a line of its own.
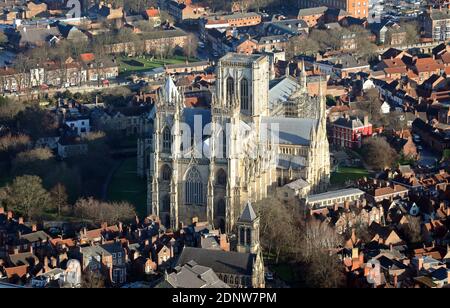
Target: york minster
[{"x": 257, "y": 134}]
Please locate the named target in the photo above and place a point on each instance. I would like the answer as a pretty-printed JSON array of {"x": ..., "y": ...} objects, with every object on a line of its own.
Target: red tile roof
[
  {"x": 68, "y": 242},
  {"x": 446, "y": 58},
  {"x": 87, "y": 57},
  {"x": 18, "y": 271},
  {"x": 394, "y": 63},
  {"x": 152, "y": 12},
  {"x": 427, "y": 65},
  {"x": 395, "y": 70}
]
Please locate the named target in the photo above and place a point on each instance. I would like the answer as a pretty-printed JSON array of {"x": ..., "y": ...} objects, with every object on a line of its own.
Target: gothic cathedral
[{"x": 209, "y": 163}]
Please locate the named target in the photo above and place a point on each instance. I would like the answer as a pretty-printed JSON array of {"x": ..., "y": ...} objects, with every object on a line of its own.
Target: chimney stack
[
  {"x": 224, "y": 243},
  {"x": 54, "y": 262},
  {"x": 347, "y": 205}
]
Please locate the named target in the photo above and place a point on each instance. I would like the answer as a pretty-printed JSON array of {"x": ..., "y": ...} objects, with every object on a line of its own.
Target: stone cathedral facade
[{"x": 209, "y": 163}]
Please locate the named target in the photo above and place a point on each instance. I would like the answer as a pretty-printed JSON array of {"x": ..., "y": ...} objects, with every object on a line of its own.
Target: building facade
[
  {"x": 239, "y": 152},
  {"x": 356, "y": 8}
]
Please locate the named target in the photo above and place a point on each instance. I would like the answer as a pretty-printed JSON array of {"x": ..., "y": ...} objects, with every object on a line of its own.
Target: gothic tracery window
[
  {"x": 221, "y": 177},
  {"x": 167, "y": 140},
  {"x": 166, "y": 173},
  {"x": 194, "y": 187}
]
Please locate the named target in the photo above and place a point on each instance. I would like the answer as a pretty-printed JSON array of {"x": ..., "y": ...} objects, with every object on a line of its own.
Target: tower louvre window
[
  {"x": 167, "y": 140},
  {"x": 244, "y": 94},
  {"x": 230, "y": 90},
  {"x": 165, "y": 206}
]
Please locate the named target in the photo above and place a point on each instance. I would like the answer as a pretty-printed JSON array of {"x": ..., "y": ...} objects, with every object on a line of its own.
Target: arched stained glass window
[{"x": 194, "y": 187}]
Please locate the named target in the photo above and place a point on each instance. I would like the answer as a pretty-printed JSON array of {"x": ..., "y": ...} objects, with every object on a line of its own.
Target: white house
[
  {"x": 368, "y": 84},
  {"x": 81, "y": 124}
]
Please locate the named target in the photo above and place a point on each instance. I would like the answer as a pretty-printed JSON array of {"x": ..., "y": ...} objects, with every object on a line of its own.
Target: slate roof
[
  {"x": 335, "y": 194},
  {"x": 227, "y": 262},
  {"x": 297, "y": 184},
  {"x": 248, "y": 215},
  {"x": 192, "y": 275},
  {"x": 24, "y": 258},
  {"x": 38, "y": 236},
  {"x": 294, "y": 131},
  {"x": 281, "y": 89},
  {"x": 351, "y": 122},
  {"x": 312, "y": 11}
]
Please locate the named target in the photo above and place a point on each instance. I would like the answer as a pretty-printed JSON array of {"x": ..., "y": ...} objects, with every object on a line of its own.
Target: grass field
[
  {"x": 285, "y": 272},
  {"x": 125, "y": 185},
  {"x": 343, "y": 174},
  {"x": 130, "y": 65}
]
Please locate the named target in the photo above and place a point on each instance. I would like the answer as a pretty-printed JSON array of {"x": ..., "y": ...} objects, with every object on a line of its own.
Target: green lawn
[
  {"x": 285, "y": 272},
  {"x": 125, "y": 185},
  {"x": 343, "y": 174},
  {"x": 129, "y": 65}
]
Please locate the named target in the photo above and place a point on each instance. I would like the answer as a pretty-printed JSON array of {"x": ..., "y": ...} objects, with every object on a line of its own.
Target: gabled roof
[
  {"x": 221, "y": 262},
  {"x": 38, "y": 236},
  {"x": 350, "y": 122},
  {"x": 24, "y": 258},
  {"x": 312, "y": 11}
]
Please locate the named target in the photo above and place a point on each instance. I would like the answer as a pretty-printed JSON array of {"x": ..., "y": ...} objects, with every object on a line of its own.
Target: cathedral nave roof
[{"x": 292, "y": 131}]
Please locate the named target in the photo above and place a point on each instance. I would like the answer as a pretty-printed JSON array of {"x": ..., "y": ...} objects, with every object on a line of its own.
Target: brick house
[{"x": 349, "y": 131}]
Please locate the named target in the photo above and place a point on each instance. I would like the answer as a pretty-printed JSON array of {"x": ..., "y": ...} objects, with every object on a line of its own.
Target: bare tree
[
  {"x": 92, "y": 280},
  {"x": 59, "y": 197},
  {"x": 190, "y": 46},
  {"x": 318, "y": 237},
  {"x": 413, "y": 229},
  {"x": 378, "y": 154},
  {"x": 99, "y": 212}
]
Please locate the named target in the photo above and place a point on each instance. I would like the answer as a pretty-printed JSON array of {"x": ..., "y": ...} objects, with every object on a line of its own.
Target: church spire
[{"x": 303, "y": 77}]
